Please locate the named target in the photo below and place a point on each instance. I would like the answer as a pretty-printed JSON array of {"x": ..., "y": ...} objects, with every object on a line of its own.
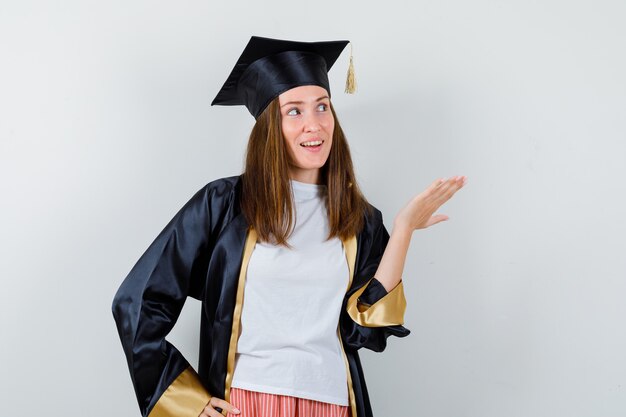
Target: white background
[{"x": 516, "y": 304}]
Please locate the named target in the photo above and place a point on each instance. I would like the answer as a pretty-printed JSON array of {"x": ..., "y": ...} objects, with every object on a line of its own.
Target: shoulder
[
  {"x": 213, "y": 205},
  {"x": 215, "y": 194},
  {"x": 221, "y": 188},
  {"x": 222, "y": 185},
  {"x": 373, "y": 221},
  {"x": 373, "y": 215}
]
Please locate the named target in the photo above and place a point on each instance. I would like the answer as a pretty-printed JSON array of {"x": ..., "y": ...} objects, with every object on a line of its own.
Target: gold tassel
[{"x": 350, "y": 79}]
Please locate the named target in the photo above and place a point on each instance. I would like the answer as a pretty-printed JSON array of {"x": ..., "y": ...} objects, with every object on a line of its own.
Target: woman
[{"x": 320, "y": 274}]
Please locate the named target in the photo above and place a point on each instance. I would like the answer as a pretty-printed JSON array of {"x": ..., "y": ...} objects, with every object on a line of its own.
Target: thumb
[{"x": 436, "y": 219}]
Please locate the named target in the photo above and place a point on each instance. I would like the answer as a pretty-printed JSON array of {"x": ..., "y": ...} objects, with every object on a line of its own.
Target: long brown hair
[{"x": 267, "y": 201}]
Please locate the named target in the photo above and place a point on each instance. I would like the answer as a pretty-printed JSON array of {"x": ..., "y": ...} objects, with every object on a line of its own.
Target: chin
[{"x": 314, "y": 165}]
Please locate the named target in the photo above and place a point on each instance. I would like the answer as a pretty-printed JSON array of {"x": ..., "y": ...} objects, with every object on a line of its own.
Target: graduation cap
[{"x": 268, "y": 67}]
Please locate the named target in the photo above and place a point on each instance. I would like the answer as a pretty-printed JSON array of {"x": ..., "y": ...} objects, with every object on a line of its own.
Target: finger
[
  {"x": 218, "y": 402},
  {"x": 459, "y": 181},
  {"x": 438, "y": 195},
  {"x": 431, "y": 192},
  {"x": 456, "y": 180},
  {"x": 451, "y": 186},
  {"x": 440, "y": 190},
  {"x": 207, "y": 411},
  {"x": 456, "y": 185},
  {"x": 214, "y": 413},
  {"x": 431, "y": 188},
  {"x": 447, "y": 195},
  {"x": 211, "y": 412},
  {"x": 437, "y": 183},
  {"x": 450, "y": 180}
]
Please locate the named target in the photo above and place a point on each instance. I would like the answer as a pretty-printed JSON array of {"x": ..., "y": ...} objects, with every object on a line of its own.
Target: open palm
[{"x": 419, "y": 212}]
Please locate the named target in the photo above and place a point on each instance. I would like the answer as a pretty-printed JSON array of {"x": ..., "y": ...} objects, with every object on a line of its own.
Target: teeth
[{"x": 311, "y": 143}]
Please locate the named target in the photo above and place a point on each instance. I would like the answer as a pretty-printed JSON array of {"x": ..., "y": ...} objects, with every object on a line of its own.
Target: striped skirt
[{"x": 260, "y": 404}]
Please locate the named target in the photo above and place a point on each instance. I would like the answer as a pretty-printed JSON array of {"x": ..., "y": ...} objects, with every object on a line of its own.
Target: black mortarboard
[{"x": 268, "y": 67}]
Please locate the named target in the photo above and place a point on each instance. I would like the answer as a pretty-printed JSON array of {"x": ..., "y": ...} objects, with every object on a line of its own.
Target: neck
[{"x": 309, "y": 176}]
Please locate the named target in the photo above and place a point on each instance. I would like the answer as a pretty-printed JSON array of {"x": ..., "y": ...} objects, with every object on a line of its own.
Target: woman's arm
[
  {"x": 417, "y": 214},
  {"x": 149, "y": 300}
]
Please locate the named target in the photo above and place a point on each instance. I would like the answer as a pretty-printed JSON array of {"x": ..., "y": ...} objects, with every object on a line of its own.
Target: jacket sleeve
[
  {"x": 148, "y": 303},
  {"x": 371, "y": 313}
]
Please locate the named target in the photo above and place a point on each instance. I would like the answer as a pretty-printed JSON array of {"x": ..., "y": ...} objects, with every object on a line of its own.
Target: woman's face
[{"x": 307, "y": 125}]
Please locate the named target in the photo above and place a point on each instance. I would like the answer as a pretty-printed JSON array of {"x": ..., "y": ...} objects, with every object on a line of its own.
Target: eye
[
  {"x": 293, "y": 112},
  {"x": 322, "y": 107}
]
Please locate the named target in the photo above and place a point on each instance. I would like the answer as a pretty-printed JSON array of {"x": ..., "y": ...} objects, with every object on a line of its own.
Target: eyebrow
[{"x": 302, "y": 102}]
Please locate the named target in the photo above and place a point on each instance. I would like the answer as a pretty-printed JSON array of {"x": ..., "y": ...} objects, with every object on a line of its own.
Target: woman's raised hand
[
  {"x": 418, "y": 213},
  {"x": 209, "y": 411}
]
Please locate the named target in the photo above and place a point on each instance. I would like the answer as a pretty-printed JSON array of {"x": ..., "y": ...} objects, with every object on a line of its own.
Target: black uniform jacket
[{"x": 203, "y": 252}]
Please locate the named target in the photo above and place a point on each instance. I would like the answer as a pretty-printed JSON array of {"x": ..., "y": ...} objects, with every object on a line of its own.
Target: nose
[{"x": 311, "y": 123}]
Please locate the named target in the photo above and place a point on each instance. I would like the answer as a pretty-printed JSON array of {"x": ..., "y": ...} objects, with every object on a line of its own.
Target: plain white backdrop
[{"x": 516, "y": 304}]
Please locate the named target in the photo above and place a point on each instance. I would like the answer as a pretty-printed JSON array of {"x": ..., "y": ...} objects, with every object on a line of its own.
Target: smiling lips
[{"x": 312, "y": 145}]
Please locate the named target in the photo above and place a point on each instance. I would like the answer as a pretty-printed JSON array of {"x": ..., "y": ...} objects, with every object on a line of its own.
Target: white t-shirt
[{"x": 292, "y": 300}]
